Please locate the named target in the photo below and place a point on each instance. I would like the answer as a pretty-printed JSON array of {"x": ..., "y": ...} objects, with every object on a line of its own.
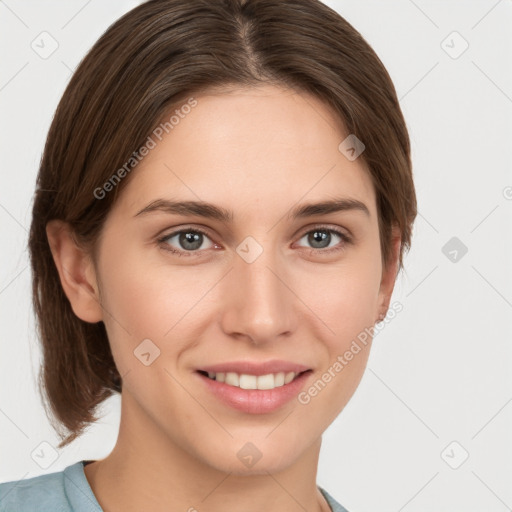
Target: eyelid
[
  {"x": 185, "y": 229},
  {"x": 327, "y": 227}
]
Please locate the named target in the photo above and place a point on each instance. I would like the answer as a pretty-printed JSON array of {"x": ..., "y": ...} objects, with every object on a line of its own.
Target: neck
[{"x": 147, "y": 470}]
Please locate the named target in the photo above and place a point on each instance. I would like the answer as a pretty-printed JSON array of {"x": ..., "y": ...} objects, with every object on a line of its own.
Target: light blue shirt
[{"x": 67, "y": 491}]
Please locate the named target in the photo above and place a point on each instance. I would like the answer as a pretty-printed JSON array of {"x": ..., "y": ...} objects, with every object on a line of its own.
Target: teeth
[
  {"x": 251, "y": 382},
  {"x": 289, "y": 377},
  {"x": 246, "y": 381},
  {"x": 279, "y": 379},
  {"x": 232, "y": 379}
]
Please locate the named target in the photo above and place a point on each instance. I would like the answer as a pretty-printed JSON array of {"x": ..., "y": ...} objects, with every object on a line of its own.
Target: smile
[
  {"x": 255, "y": 388},
  {"x": 247, "y": 381}
]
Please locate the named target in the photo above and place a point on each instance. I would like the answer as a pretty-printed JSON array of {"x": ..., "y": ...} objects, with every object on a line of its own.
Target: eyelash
[{"x": 346, "y": 240}]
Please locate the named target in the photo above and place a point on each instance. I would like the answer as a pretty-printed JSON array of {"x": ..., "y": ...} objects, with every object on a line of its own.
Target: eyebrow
[{"x": 211, "y": 211}]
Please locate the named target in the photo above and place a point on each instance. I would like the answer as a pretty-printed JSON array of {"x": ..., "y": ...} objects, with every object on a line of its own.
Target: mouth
[
  {"x": 256, "y": 393},
  {"x": 267, "y": 381}
]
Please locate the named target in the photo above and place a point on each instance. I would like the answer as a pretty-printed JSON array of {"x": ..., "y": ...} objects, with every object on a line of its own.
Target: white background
[{"x": 440, "y": 371}]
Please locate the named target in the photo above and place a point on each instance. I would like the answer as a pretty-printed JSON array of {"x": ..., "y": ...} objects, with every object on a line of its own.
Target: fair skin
[{"x": 260, "y": 153}]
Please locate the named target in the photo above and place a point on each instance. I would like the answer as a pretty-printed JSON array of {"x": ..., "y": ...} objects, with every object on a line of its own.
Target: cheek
[
  {"x": 344, "y": 297},
  {"x": 146, "y": 298},
  {"x": 141, "y": 290},
  {"x": 346, "y": 303}
]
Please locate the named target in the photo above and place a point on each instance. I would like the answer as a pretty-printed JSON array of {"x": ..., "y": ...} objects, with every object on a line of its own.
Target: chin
[
  {"x": 261, "y": 467},
  {"x": 257, "y": 457}
]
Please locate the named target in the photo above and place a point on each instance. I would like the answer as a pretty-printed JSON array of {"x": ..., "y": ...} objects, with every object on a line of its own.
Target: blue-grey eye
[
  {"x": 321, "y": 238},
  {"x": 188, "y": 240}
]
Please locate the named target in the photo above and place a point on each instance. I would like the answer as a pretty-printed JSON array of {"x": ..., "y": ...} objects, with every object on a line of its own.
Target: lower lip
[{"x": 256, "y": 401}]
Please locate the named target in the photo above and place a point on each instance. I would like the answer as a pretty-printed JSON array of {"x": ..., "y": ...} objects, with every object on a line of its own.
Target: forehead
[{"x": 260, "y": 146}]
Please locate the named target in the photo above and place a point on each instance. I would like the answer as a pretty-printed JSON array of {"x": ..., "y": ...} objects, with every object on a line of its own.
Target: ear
[
  {"x": 76, "y": 272},
  {"x": 389, "y": 274}
]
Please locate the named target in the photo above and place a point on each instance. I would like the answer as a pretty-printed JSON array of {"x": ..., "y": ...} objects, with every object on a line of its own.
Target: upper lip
[{"x": 256, "y": 368}]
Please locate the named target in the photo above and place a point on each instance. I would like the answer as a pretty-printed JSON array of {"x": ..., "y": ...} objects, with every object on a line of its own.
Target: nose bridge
[{"x": 261, "y": 305}]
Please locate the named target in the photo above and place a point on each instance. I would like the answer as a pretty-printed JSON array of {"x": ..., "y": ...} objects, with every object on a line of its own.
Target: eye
[
  {"x": 320, "y": 239},
  {"x": 188, "y": 241}
]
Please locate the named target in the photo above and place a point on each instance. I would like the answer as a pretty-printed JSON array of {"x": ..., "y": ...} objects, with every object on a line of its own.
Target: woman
[{"x": 221, "y": 211}]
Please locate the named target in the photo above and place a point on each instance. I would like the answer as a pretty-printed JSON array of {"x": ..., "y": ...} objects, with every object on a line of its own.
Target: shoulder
[
  {"x": 43, "y": 493},
  {"x": 335, "y": 506}
]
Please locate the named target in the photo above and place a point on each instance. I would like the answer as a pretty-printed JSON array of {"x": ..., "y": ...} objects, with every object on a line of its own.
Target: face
[{"x": 189, "y": 291}]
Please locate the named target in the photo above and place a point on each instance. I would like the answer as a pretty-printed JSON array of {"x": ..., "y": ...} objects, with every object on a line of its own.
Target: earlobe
[
  {"x": 76, "y": 272},
  {"x": 389, "y": 274}
]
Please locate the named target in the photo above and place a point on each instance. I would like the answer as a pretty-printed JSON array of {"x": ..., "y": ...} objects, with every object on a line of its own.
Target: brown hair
[{"x": 145, "y": 63}]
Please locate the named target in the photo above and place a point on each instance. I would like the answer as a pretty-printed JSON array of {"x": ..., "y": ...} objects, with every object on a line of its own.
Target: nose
[{"x": 259, "y": 303}]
